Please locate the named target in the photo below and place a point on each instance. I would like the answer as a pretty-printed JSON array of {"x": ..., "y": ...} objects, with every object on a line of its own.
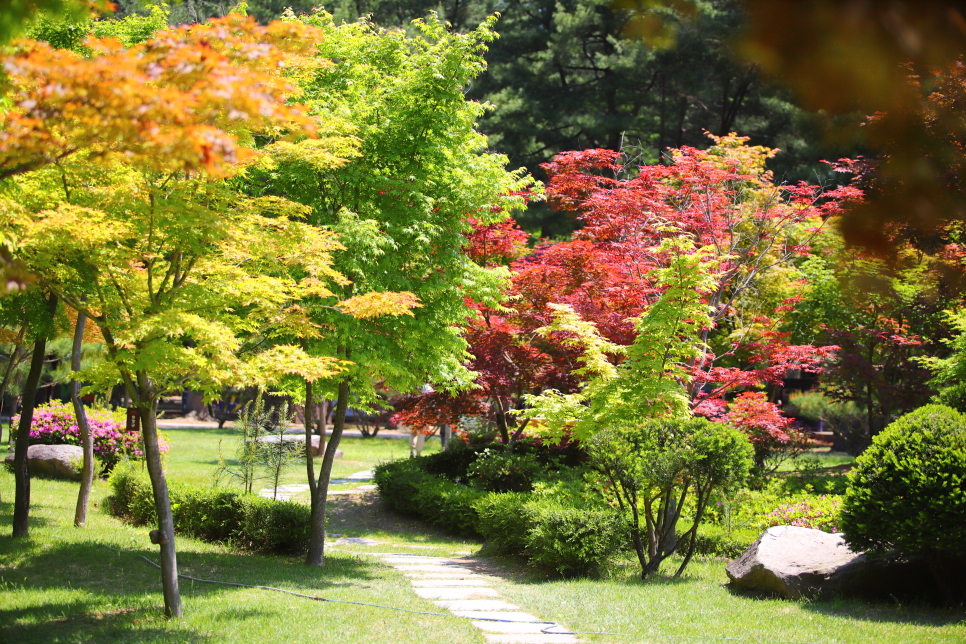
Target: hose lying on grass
[{"x": 546, "y": 630}]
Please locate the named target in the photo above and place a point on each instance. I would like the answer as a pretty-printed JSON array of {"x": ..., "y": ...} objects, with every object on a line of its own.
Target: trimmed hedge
[
  {"x": 555, "y": 535},
  {"x": 573, "y": 541},
  {"x": 504, "y": 521},
  {"x": 454, "y": 462},
  {"x": 211, "y": 514},
  {"x": 407, "y": 488}
]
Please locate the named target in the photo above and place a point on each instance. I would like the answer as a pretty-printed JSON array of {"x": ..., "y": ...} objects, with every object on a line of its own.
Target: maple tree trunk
[
  {"x": 8, "y": 373},
  {"x": 316, "y": 553},
  {"x": 162, "y": 503},
  {"x": 501, "y": 421},
  {"x": 320, "y": 425},
  {"x": 309, "y": 451},
  {"x": 21, "y": 506},
  {"x": 87, "y": 439}
]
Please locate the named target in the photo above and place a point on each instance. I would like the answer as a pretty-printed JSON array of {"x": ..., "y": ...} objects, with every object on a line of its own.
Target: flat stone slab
[
  {"x": 367, "y": 488},
  {"x": 455, "y": 593},
  {"x": 432, "y": 568},
  {"x": 443, "y": 575},
  {"x": 528, "y": 628},
  {"x": 361, "y": 476},
  {"x": 418, "y": 559},
  {"x": 269, "y": 494},
  {"x": 359, "y": 541},
  {"x": 345, "y": 492},
  {"x": 524, "y": 638},
  {"x": 447, "y": 583},
  {"x": 514, "y": 616},
  {"x": 293, "y": 488},
  {"x": 405, "y": 546},
  {"x": 477, "y": 604}
]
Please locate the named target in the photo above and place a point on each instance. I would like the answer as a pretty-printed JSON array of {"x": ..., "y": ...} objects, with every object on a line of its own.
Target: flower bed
[{"x": 54, "y": 424}]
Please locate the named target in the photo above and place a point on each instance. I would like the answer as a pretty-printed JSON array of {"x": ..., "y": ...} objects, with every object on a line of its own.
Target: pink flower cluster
[
  {"x": 816, "y": 512},
  {"x": 55, "y": 424}
]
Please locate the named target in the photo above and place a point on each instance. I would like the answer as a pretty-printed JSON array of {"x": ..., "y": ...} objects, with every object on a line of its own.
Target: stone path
[
  {"x": 453, "y": 586},
  {"x": 285, "y": 492}
]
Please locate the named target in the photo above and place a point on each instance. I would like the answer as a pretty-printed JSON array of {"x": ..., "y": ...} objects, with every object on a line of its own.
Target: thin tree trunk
[
  {"x": 320, "y": 425},
  {"x": 309, "y": 450},
  {"x": 316, "y": 553},
  {"x": 87, "y": 439},
  {"x": 693, "y": 536},
  {"x": 162, "y": 503},
  {"x": 14, "y": 359},
  {"x": 21, "y": 507},
  {"x": 501, "y": 421}
]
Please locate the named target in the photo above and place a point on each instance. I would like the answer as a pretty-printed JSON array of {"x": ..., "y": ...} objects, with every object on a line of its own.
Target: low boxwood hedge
[
  {"x": 216, "y": 515},
  {"x": 567, "y": 539}
]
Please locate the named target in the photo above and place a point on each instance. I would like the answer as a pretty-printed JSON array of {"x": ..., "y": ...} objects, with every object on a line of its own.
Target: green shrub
[
  {"x": 399, "y": 483},
  {"x": 819, "y": 512},
  {"x": 500, "y": 471},
  {"x": 453, "y": 462},
  {"x": 782, "y": 501},
  {"x": 215, "y": 515},
  {"x": 504, "y": 521},
  {"x": 571, "y": 540},
  {"x": 717, "y": 541},
  {"x": 563, "y": 537},
  {"x": 274, "y": 526},
  {"x": 405, "y": 487},
  {"x": 673, "y": 461},
  {"x": 953, "y": 396},
  {"x": 908, "y": 490}
]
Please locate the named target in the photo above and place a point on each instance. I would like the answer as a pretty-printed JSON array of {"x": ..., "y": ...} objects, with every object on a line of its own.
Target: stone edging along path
[{"x": 453, "y": 586}]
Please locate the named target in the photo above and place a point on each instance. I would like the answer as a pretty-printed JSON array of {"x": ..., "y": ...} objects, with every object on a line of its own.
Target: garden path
[
  {"x": 453, "y": 584},
  {"x": 285, "y": 492}
]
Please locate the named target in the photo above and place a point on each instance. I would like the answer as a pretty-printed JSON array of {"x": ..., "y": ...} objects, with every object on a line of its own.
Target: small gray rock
[{"x": 55, "y": 461}]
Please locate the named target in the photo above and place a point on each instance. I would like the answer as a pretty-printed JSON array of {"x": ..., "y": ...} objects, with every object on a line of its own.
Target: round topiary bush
[{"x": 907, "y": 492}]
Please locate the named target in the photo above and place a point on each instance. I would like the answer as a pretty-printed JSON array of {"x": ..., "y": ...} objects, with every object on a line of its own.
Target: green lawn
[
  {"x": 60, "y": 586},
  {"x": 700, "y": 608},
  {"x": 193, "y": 456}
]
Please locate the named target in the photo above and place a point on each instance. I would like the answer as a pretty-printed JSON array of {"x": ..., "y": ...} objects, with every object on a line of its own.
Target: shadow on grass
[
  {"x": 6, "y": 520},
  {"x": 82, "y": 622},
  {"x": 916, "y": 613},
  {"x": 95, "y": 568},
  {"x": 883, "y": 611}
]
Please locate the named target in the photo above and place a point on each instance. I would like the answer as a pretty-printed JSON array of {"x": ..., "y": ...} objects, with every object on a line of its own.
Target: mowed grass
[
  {"x": 194, "y": 455},
  {"x": 699, "y": 608},
  {"x": 62, "y": 585}
]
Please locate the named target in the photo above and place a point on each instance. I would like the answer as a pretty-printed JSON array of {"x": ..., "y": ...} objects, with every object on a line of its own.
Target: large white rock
[
  {"x": 56, "y": 461},
  {"x": 799, "y": 562},
  {"x": 790, "y": 561}
]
